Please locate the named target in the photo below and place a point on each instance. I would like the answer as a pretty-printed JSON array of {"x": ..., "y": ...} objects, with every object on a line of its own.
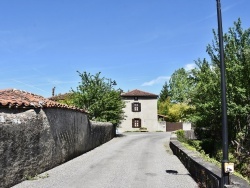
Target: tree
[
  {"x": 180, "y": 86},
  {"x": 237, "y": 45},
  {"x": 163, "y": 106},
  {"x": 178, "y": 112},
  {"x": 164, "y": 94},
  {"x": 97, "y": 95},
  {"x": 206, "y": 96}
]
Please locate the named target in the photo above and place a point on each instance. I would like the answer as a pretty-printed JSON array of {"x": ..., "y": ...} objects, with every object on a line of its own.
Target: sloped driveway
[{"x": 131, "y": 160}]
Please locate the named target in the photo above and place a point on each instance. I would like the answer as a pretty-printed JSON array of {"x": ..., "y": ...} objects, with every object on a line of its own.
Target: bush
[{"x": 181, "y": 135}]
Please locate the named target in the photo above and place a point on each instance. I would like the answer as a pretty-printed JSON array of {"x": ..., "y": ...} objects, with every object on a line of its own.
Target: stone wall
[
  {"x": 204, "y": 173},
  {"x": 35, "y": 140}
]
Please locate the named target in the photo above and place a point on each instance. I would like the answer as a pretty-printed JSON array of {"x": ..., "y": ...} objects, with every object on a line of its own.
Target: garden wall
[{"x": 35, "y": 140}]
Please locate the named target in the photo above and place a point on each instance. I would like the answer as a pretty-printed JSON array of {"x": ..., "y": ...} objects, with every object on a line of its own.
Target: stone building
[{"x": 140, "y": 112}]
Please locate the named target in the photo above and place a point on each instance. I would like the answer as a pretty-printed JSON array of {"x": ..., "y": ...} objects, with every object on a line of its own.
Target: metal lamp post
[{"x": 224, "y": 174}]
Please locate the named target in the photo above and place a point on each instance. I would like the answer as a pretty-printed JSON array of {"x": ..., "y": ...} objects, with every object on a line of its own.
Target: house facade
[{"x": 140, "y": 112}]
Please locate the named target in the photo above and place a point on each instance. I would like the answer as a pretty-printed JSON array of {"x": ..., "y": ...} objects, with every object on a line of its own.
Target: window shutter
[
  {"x": 139, "y": 107},
  {"x": 132, "y": 107},
  {"x": 133, "y": 123}
]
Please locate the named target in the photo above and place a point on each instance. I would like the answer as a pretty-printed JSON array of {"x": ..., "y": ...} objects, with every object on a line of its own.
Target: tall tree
[
  {"x": 164, "y": 94},
  {"x": 237, "y": 45},
  {"x": 97, "y": 95},
  {"x": 206, "y": 96},
  {"x": 180, "y": 86}
]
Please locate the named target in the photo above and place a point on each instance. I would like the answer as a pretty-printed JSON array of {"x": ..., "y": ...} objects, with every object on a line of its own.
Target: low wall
[
  {"x": 190, "y": 134},
  {"x": 204, "y": 173},
  {"x": 186, "y": 126},
  {"x": 35, "y": 140},
  {"x": 161, "y": 126}
]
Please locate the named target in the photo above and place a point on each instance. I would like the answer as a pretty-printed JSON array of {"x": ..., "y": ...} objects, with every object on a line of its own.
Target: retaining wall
[
  {"x": 206, "y": 174},
  {"x": 35, "y": 140}
]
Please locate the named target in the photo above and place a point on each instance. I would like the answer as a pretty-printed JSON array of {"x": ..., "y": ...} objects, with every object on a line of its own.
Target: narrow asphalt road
[{"x": 132, "y": 160}]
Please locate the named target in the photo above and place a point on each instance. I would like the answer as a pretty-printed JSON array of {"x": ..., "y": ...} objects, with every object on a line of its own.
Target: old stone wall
[{"x": 35, "y": 140}]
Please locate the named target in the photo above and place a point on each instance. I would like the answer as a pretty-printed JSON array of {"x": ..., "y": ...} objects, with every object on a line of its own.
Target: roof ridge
[{"x": 137, "y": 92}]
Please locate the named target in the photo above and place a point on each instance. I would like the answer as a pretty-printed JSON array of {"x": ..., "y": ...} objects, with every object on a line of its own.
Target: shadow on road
[
  {"x": 120, "y": 135},
  {"x": 174, "y": 172}
]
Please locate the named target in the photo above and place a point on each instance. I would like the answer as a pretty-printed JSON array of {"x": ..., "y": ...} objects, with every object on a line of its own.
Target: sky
[{"x": 137, "y": 43}]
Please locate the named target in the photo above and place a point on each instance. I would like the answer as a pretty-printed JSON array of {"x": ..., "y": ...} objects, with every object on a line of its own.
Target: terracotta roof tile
[
  {"x": 13, "y": 98},
  {"x": 138, "y": 93},
  {"x": 60, "y": 97}
]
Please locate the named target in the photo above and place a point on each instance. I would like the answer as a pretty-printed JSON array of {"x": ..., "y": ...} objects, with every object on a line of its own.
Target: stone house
[{"x": 140, "y": 112}]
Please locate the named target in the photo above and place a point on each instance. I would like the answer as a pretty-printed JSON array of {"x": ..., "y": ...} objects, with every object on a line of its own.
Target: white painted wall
[
  {"x": 148, "y": 114},
  {"x": 186, "y": 126}
]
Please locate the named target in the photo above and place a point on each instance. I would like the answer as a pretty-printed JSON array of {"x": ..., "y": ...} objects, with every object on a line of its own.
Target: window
[
  {"x": 136, "y": 98},
  {"x": 136, "y": 107},
  {"x": 136, "y": 123}
]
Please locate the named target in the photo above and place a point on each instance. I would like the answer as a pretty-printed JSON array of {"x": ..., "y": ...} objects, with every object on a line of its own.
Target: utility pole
[
  {"x": 53, "y": 91},
  {"x": 224, "y": 171}
]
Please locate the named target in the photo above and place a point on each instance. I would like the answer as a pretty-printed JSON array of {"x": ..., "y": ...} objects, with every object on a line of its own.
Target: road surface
[{"x": 131, "y": 160}]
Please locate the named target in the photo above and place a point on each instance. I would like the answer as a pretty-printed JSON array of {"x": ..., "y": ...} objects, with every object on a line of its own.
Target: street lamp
[{"x": 224, "y": 171}]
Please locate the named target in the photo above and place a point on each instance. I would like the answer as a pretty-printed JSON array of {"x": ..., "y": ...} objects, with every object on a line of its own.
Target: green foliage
[
  {"x": 164, "y": 94},
  {"x": 181, "y": 135},
  {"x": 180, "y": 86},
  {"x": 207, "y": 102},
  {"x": 97, "y": 95},
  {"x": 173, "y": 100},
  {"x": 200, "y": 89},
  {"x": 196, "y": 144},
  {"x": 163, "y": 107},
  {"x": 175, "y": 112},
  {"x": 178, "y": 112},
  {"x": 64, "y": 99}
]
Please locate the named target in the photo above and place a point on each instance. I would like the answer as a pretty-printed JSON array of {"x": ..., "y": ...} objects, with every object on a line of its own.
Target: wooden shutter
[{"x": 139, "y": 107}]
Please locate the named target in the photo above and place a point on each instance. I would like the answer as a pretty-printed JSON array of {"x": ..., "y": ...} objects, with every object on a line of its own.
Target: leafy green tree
[
  {"x": 178, "y": 112},
  {"x": 180, "y": 86},
  {"x": 164, "y": 94},
  {"x": 163, "y": 106},
  {"x": 206, "y": 96},
  {"x": 97, "y": 95},
  {"x": 237, "y": 44}
]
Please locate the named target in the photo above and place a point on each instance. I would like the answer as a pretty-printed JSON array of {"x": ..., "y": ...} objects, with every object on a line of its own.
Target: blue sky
[{"x": 138, "y": 43}]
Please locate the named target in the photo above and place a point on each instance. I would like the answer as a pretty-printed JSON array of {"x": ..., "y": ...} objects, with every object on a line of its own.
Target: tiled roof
[
  {"x": 138, "y": 93},
  {"x": 13, "y": 98},
  {"x": 60, "y": 97}
]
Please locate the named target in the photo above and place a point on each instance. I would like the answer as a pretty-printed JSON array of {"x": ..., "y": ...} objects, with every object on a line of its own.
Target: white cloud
[
  {"x": 160, "y": 79},
  {"x": 189, "y": 67}
]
